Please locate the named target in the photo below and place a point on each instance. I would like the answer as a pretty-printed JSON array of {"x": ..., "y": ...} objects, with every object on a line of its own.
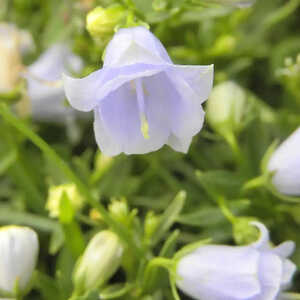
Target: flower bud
[
  {"x": 119, "y": 210},
  {"x": 254, "y": 272},
  {"x": 227, "y": 107},
  {"x": 99, "y": 262},
  {"x": 285, "y": 163},
  {"x": 101, "y": 22},
  {"x": 19, "y": 251},
  {"x": 55, "y": 197}
]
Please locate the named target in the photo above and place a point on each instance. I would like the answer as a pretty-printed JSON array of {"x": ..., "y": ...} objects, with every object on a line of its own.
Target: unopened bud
[
  {"x": 19, "y": 248},
  {"x": 55, "y": 197},
  {"x": 101, "y": 22},
  {"x": 99, "y": 262},
  {"x": 227, "y": 107}
]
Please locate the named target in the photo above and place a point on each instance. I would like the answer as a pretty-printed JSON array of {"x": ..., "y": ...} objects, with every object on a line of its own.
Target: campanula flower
[
  {"x": 140, "y": 99},
  {"x": 253, "y": 272},
  {"x": 285, "y": 162},
  {"x": 44, "y": 87},
  {"x": 18, "y": 255}
]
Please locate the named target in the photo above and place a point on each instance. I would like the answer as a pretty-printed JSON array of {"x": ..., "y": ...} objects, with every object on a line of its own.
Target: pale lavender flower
[
  {"x": 285, "y": 162},
  {"x": 254, "y": 272},
  {"x": 44, "y": 87},
  {"x": 141, "y": 100}
]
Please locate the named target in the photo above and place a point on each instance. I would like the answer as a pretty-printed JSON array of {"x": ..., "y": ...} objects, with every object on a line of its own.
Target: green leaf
[
  {"x": 170, "y": 216},
  {"x": 7, "y": 161}
]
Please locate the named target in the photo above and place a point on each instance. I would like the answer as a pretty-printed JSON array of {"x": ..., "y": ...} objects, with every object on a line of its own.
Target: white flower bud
[
  {"x": 253, "y": 272},
  {"x": 18, "y": 255},
  {"x": 99, "y": 262},
  {"x": 227, "y": 107},
  {"x": 285, "y": 162}
]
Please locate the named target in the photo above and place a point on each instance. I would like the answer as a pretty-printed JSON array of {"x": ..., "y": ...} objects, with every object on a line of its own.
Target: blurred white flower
[
  {"x": 19, "y": 248},
  {"x": 227, "y": 107},
  {"x": 253, "y": 272},
  {"x": 13, "y": 42},
  {"x": 285, "y": 162},
  {"x": 45, "y": 87}
]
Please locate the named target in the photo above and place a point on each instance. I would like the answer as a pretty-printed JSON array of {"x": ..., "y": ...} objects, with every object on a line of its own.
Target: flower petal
[
  {"x": 286, "y": 162},
  {"x": 199, "y": 78},
  {"x": 105, "y": 141},
  {"x": 86, "y": 93},
  {"x": 270, "y": 274},
  {"x": 179, "y": 144},
  {"x": 121, "y": 117},
  {"x": 289, "y": 269},
  {"x": 285, "y": 249},
  {"x": 263, "y": 241},
  {"x": 185, "y": 108},
  {"x": 135, "y": 45}
]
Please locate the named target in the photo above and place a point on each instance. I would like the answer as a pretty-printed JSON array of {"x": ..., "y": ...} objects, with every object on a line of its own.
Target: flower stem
[{"x": 60, "y": 163}]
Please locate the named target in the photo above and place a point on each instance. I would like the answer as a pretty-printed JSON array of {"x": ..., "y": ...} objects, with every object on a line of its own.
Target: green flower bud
[
  {"x": 151, "y": 223},
  {"x": 244, "y": 232},
  {"x": 99, "y": 262},
  {"x": 227, "y": 108},
  {"x": 101, "y": 22},
  {"x": 119, "y": 209},
  {"x": 55, "y": 197}
]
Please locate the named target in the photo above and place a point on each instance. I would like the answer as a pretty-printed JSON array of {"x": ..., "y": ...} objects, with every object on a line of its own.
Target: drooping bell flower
[
  {"x": 13, "y": 42},
  {"x": 285, "y": 163},
  {"x": 140, "y": 99},
  {"x": 44, "y": 87},
  {"x": 19, "y": 248},
  {"x": 253, "y": 272}
]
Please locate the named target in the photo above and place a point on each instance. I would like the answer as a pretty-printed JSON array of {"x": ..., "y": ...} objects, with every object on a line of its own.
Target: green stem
[
  {"x": 154, "y": 263},
  {"x": 233, "y": 143},
  {"x": 60, "y": 163}
]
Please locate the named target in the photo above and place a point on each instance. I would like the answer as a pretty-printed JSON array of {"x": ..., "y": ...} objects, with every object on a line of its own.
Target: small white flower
[
  {"x": 253, "y": 272},
  {"x": 18, "y": 255},
  {"x": 285, "y": 162}
]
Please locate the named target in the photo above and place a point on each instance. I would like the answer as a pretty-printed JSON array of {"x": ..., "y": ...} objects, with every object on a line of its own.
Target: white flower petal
[
  {"x": 135, "y": 45},
  {"x": 200, "y": 79}
]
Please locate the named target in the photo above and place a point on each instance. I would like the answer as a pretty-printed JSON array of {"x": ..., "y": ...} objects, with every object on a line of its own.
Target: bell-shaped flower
[
  {"x": 19, "y": 248},
  {"x": 141, "y": 100},
  {"x": 253, "y": 272},
  {"x": 45, "y": 87},
  {"x": 285, "y": 163}
]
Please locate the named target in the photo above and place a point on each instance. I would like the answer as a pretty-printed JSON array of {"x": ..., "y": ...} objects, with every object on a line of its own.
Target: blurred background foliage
[{"x": 257, "y": 47}]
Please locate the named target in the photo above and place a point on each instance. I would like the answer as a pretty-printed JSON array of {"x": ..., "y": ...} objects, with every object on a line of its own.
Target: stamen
[{"x": 141, "y": 105}]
